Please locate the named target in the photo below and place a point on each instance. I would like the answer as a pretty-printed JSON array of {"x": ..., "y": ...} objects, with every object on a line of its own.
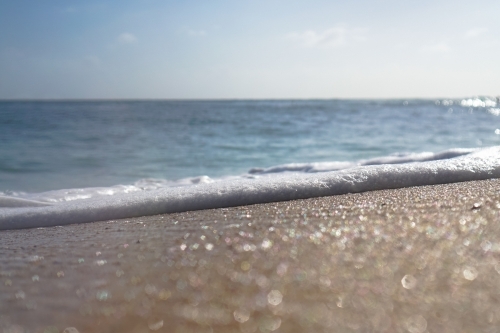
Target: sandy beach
[{"x": 421, "y": 259}]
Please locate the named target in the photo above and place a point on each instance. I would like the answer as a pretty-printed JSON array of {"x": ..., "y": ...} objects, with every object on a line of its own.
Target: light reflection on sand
[{"x": 411, "y": 260}]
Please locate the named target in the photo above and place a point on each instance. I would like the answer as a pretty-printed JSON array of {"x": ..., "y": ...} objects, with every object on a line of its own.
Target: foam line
[
  {"x": 12, "y": 202},
  {"x": 149, "y": 184},
  {"x": 480, "y": 164}
]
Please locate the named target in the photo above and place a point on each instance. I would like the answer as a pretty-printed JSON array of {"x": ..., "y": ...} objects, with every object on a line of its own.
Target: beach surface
[{"x": 419, "y": 259}]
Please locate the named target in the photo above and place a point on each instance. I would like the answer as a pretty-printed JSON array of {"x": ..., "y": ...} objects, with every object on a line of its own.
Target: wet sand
[{"x": 422, "y": 259}]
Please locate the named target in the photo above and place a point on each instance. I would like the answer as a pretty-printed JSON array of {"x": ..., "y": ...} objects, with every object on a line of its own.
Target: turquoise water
[{"x": 55, "y": 145}]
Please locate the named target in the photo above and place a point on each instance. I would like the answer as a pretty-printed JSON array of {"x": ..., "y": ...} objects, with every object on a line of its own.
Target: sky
[{"x": 272, "y": 49}]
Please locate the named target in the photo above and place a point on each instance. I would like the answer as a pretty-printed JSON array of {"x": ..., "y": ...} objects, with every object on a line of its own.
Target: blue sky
[{"x": 249, "y": 49}]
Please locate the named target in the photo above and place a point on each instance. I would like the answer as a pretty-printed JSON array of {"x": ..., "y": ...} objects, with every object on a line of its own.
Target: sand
[{"x": 422, "y": 259}]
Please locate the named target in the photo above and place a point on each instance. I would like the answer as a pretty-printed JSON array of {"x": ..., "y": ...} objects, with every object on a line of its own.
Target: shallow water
[{"x": 90, "y": 205}]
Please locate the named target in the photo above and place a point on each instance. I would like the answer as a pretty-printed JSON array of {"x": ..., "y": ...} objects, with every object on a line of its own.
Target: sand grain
[{"x": 407, "y": 260}]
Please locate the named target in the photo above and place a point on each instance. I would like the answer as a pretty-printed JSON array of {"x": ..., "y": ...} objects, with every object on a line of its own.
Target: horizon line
[{"x": 230, "y": 99}]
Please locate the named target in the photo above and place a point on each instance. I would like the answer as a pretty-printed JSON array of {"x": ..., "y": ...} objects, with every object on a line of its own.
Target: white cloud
[
  {"x": 92, "y": 61},
  {"x": 197, "y": 33},
  {"x": 330, "y": 38},
  {"x": 436, "y": 48},
  {"x": 475, "y": 32},
  {"x": 127, "y": 38}
]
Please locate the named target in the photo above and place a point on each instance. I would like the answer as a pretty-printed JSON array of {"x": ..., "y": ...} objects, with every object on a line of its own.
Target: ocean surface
[{"x": 60, "y": 158}]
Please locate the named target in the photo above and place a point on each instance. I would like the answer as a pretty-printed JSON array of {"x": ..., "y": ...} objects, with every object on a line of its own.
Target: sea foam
[{"x": 280, "y": 183}]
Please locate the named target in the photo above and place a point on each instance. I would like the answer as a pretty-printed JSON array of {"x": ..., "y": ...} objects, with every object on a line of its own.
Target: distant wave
[
  {"x": 391, "y": 159},
  {"x": 279, "y": 183}
]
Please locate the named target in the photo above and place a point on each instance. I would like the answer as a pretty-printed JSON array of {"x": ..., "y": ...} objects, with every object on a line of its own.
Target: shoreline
[
  {"x": 401, "y": 260},
  {"x": 450, "y": 166}
]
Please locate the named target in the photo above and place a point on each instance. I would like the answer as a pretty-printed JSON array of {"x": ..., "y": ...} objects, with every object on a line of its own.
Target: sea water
[{"x": 81, "y": 161}]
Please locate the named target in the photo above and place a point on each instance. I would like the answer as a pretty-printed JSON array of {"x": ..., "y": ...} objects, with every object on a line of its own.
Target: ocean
[{"x": 58, "y": 158}]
